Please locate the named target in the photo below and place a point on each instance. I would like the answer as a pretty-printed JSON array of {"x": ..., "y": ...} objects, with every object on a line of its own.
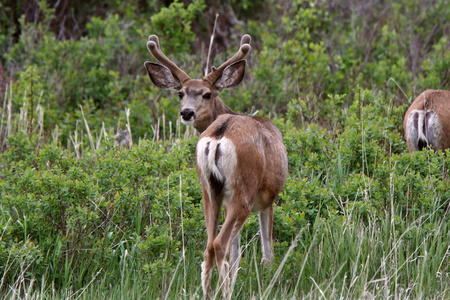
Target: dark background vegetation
[
  {"x": 92, "y": 52},
  {"x": 336, "y": 77}
]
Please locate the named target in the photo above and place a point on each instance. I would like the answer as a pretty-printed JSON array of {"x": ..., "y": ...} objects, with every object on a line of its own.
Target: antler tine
[
  {"x": 154, "y": 39},
  {"x": 243, "y": 51},
  {"x": 246, "y": 39},
  {"x": 155, "y": 50}
]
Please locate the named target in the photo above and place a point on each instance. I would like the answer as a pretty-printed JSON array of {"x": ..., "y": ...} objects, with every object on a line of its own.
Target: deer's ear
[
  {"x": 231, "y": 76},
  {"x": 162, "y": 77}
]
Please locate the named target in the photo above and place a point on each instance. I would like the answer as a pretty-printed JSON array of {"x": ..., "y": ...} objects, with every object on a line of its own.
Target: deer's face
[
  {"x": 197, "y": 102},
  {"x": 200, "y": 104}
]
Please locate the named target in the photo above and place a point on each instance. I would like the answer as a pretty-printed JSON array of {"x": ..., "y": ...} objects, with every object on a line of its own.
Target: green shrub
[{"x": 173, "y": 23}]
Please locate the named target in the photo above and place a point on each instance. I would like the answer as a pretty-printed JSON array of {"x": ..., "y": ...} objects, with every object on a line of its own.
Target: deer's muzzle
[{"x": 187, "y": 115}]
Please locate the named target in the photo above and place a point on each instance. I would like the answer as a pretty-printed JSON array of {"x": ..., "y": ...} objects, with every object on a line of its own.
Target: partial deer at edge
[
  {"x": 427, "y": 121},
  {"x": 241, "y": 160}
]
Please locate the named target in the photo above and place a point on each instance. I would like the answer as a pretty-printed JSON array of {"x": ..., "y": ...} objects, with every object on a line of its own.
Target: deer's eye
[
  {"x": 207, "y": 96},
  {"x": 180, "y": 94}
]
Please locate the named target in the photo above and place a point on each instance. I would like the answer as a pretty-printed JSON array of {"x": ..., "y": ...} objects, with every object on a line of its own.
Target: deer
[
  {"x": 241, "y": 160},
  {"x": 427, "y": 121}
]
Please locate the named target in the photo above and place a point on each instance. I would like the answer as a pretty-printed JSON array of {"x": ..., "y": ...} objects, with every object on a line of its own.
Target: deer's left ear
[{"x": 231, "y": 76}]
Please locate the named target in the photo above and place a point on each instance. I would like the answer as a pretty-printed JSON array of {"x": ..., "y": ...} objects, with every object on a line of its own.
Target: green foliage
[
  {"x": 302, "y": 53},
  {"x": 68, "y": 219},
  {"x": 173, "y": 23},
  {"x": 92, "y": 71},
  {"x": 359, "y": 217},
  {"x": 59, "y": 204},
  {"x": 436, "y": 68}
]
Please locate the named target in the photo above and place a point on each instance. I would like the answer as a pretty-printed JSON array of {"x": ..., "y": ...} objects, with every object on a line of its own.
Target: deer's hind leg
[
  {"x": 235, "y": 257},
  {"x": 211, "y": 210},
  {"x": 266, "y": 227},
  {"x": 236, "y": 216}
]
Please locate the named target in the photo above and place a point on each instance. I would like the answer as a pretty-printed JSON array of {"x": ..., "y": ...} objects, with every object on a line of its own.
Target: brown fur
[
  {"x": 241, "y": 160},
  {"x": 260, "y": 174}
]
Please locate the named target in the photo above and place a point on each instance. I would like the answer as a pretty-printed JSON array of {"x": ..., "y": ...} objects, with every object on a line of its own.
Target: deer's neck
[
  {"x": 217, "y": 108},
  {"x": 220, "y": 109}
]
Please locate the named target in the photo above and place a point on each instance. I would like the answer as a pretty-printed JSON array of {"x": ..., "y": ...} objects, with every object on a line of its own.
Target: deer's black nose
[{"x": 187, "y": 114}]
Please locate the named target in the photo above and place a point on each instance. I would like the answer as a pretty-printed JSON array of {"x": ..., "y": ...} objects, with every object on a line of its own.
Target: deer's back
[{"x": 252, "y": 147}]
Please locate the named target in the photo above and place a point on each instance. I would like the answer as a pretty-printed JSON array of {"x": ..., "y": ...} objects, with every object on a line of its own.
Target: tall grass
[
  {"x": 353, "y": 259},
  {"x": 350, "y": 255},
  {"x": 348, "y": 259},
  {"x": 30, "y": 121}
]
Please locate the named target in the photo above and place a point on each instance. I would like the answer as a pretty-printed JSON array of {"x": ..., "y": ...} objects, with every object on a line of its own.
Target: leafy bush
[
  {"x": 174, "y": 22},
  {"x": 60, "y": 204}
]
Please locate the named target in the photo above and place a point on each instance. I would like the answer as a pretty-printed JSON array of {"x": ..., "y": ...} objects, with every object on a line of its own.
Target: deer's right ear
[{"x": 162, "y": 77}]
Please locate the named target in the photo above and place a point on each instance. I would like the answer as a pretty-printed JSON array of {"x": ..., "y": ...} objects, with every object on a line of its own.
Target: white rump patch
[
  {"x": 217, "y": 158},
  {"x": 415, "y": 130},
  {"x": 434, "y": 130},
  {"x": 427, "y": 129}
]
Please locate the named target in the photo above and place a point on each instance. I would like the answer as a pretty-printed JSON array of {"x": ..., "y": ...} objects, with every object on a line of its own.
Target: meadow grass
[
  {"x": 350, "y": 259},
  {"x": 350, "y": 255}
]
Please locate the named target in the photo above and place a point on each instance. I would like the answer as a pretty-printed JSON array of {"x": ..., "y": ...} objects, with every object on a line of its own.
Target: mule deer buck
[
  {"x": 427, "y": 121},
  {"x": 241, "y": 160}
]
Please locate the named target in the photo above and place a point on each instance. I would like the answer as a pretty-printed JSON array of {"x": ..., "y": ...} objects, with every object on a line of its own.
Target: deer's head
[{"x": 200, "y": 102}]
